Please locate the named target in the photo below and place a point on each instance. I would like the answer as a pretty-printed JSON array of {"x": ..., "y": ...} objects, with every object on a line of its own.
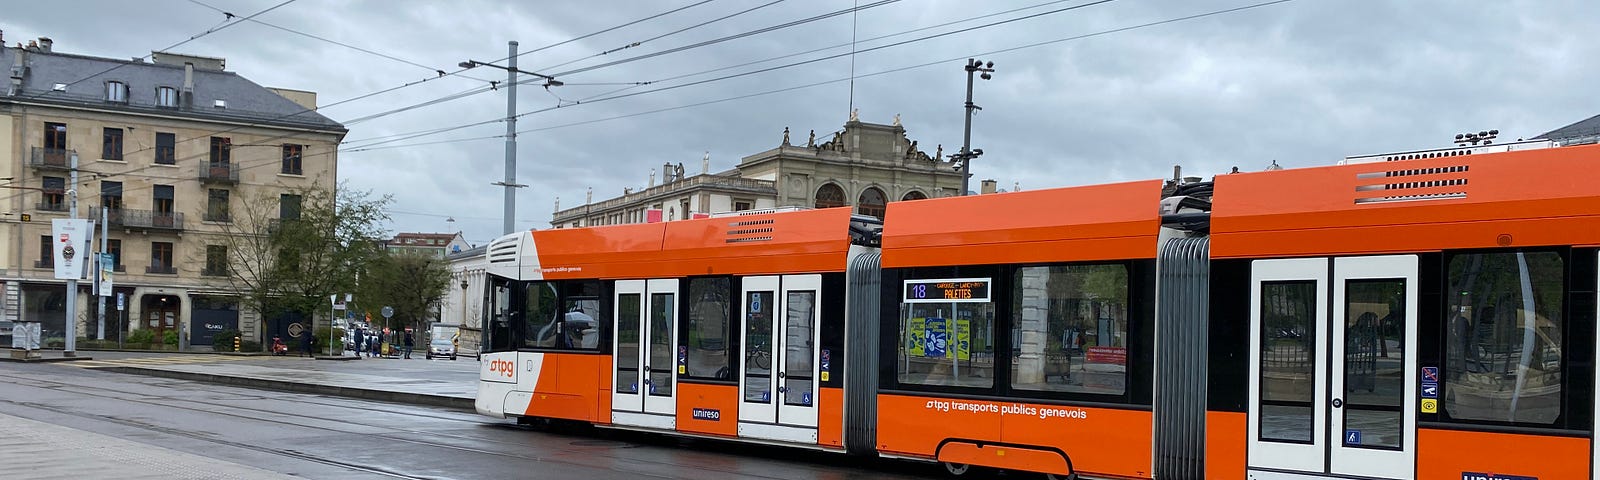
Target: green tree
[
  {"x": 289, "y": 249},
  {"x": 413, "y": 284}
]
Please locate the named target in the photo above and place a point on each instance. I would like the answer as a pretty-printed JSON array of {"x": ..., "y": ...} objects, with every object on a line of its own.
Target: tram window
[
  {"x": 1288, "y": 360},
  {"x": 541, "y": 322},
  {"x": 501, "y": 323},
  {"x": 580, "y": 304},
  {"x": 1070, "y": 328},
  {"x": 1503, "y": 353},
  {"x": 947, "y": 344},
  {"x": 708, "y": 328}
]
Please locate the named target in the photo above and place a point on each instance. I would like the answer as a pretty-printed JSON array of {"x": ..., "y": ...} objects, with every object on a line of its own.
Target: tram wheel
[{"x": 957, "y": 469}]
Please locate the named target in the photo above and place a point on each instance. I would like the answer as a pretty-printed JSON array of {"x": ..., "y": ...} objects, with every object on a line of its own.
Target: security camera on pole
[{"x": 966, "y": 154}]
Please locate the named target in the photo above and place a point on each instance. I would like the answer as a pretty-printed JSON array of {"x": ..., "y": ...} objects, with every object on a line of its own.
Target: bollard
[{"x": 236, "y": 344}]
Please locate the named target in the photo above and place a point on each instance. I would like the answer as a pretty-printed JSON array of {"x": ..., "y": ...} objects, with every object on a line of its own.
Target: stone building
[
  {"x": 436, "y": 245},
  {"x": 171, "y": 147},
  {"x": 863, "y": 166}
]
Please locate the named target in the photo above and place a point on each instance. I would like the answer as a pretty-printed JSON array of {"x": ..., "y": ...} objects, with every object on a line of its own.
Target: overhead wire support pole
[
  {"x": 967, "y": 153},
  {"x": 508, "y": 224},
  {"x": 70, "y": 347}
]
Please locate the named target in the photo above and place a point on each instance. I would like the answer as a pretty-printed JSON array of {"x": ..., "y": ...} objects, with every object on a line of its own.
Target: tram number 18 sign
[{"x": 947, "y": 290}]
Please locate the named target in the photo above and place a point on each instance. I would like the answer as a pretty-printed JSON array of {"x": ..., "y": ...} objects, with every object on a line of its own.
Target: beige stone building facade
[
  {"x": 171, "y": 148},
  {"x": 863, "y": 166}
]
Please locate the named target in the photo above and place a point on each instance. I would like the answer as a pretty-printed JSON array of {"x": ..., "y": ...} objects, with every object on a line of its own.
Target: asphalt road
[{"x": 335, "y": 438}]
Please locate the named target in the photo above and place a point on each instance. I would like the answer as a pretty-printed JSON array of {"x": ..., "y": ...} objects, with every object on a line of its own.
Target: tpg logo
[{"x": 505, "y": 367}]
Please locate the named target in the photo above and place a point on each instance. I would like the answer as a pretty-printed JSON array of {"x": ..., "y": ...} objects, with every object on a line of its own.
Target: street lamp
[
  {"x": 966, "y": 154},
  {"x": 508, "y": 223}
]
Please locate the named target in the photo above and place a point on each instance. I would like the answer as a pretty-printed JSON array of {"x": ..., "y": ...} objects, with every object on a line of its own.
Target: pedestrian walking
[
  {"x": 305, "y": 343},
  {"x": 355, "y": 340},
  {"x": 409, "y": 343}
]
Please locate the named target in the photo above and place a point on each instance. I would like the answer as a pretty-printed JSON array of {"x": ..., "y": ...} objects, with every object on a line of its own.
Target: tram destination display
[{"x": 947, "y": 290}]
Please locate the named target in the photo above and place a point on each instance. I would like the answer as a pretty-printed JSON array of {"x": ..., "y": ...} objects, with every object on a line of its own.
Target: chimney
[
  {"x": 987, "y": 188},
  {"x": 187, "y": 100},
  {"x": 45, "y": 43}
]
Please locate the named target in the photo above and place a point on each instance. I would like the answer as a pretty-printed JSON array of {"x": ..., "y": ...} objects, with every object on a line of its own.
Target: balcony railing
[
  {"x": 219, "y": 173},
  {"x": 50, "y": 158},
  {"x": 129, "y": 218},
  {"x": 51, "y": 206},
  {"x": 165, "y": 270}
]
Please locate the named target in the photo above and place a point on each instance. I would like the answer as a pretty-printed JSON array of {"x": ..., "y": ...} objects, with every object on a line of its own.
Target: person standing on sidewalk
[
  {"x": 305, "y": 342},
  {"x": 409, "y": 343}
]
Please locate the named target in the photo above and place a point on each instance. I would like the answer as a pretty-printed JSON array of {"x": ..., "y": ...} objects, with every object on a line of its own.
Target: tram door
[
  {"x": 644, "y": 393},
  {"x": 781, "y": 359},
  {"x": 1334, "y": 377}
]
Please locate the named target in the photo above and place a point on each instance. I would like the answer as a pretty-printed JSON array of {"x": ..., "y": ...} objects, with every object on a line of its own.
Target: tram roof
[
  {"x": 1520, "y": 198},
  {"x": 782, "y": 242},
  {"x": 1088, "y": 223}
]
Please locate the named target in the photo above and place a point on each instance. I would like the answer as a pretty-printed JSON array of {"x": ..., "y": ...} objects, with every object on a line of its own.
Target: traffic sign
[{"x": 387, "y": 311}]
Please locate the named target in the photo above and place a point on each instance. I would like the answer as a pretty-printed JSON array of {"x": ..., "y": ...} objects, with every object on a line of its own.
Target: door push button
[
  {"x": 780, "y": 375},
  {"x": 1337, "y": 403}
]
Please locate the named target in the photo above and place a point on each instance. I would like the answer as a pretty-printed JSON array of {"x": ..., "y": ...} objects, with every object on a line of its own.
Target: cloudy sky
[{"x": 1116, "y": 96}]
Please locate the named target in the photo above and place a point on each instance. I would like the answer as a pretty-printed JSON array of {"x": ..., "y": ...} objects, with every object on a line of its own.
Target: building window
[
  {"x": 161, "y": 214},
  {"x": 217, "y": 205},
  {"x": 291, "y": 159},
  {"x": 710, "y": 331},
  {"x": 55, "y": 137},
  {"x": 1503, "y": 358},
  {"x": 289, "y": 206},
  {"x": 114, "y": 247},
  {"x": 830, "y": 196},
  {"x": 166, "y": 148},
  {"x": 216, "y": 261},
  {"x": 166, "y": 97},
  {"x": 116, "y": 92},
  {"x": 221, "y": 150},
  {"x": 47, "y": 253},
  {"x": 111, "y": 148},
  {"x": 872, "y": 202},
  {"x": 742, "y": 205},
  {"x": 1069, "y": 327},
  {"x": 914, "y": 195},
  {"x": 111, "y": 194},
  {"x": 55, "y": 194},
  {"x": 161, "y": 258}
]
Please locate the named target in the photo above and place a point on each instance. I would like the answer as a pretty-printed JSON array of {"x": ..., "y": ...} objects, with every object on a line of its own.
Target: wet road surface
[{"x": 336, "y": 438}]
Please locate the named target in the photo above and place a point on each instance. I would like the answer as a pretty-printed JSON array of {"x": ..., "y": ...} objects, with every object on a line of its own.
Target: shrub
[
  {"x": 322, "y": 339},
  {"x": 171, "y": 338},
  {"x": 223, "y": 341},
  {"x": 141, "y": 337},
  {"x": 249, "y": 346}
]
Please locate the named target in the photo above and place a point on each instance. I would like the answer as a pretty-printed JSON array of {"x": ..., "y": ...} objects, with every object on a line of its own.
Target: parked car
[{"x": 441, "y": 347}]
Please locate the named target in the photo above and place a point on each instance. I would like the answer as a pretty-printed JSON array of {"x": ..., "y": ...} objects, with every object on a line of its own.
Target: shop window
[
  {"x": 947, "y": 333},
  {"x": 1070, "y": 329},
  {"x": 709, "y": 329},
  {"x": 1503, "y": 352}
]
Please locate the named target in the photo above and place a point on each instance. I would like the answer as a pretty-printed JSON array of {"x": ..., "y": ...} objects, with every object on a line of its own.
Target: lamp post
[
  {"x": 508, "y": 223},
  {"x": 966, "y": 154}
]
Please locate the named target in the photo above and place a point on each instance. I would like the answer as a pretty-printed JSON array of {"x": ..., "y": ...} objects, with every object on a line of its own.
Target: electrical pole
[
  {"x": 99, "y": 284},
  {"x": 508, "y": 223},
  {"x": 967, "y": 154}
]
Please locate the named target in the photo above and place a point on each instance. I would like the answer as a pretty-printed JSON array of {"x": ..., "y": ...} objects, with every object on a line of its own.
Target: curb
[
  {"x": 44, "y": 359},
  {"x": 465, "y": 404}
]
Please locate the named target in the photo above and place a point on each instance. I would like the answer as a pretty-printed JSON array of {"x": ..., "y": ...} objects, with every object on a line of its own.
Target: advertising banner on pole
[
  {"x": 107, "y": 265},
  {"x": 71, "y": 239}
]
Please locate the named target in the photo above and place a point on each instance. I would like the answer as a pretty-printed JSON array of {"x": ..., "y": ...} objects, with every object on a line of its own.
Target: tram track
[{"x": 642, "y": 466}]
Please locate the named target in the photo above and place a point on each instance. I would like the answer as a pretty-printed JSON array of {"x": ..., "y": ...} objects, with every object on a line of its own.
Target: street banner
[
  {"x": 71, "y": 239},
  {"x": 107, "y": 266}
]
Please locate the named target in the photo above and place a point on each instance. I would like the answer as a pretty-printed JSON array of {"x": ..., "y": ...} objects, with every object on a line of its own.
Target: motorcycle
[{"x": 278, "y": 348}]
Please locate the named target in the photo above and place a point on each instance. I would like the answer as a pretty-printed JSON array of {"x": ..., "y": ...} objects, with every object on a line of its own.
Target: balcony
[
  {"x": 142, "y": 219},
  {"x": 50, "y": 158},
  {"x": 224, "y": 173},
  {"x": 51, "y": 206},
  {"x": 164, "y": 270}
]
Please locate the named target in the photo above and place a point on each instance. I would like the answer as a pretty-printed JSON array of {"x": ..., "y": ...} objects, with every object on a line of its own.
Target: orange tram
[{"x": 1424, "y": 315}]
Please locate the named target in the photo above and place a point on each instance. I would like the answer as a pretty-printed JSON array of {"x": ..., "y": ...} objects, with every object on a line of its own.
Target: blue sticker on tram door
[
  {"x": 1352, "y": 437},
  {"x": 827, "y": 358},
  {"x": 1430, "y": 390},
  {"x": 1430, "y": 374},
  {"x": 805, "y": 399},
  {"x": 1493, "y": 476}
]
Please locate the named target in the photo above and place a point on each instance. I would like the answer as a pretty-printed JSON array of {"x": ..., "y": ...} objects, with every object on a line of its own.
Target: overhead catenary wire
[{"x": 664, "y": 35}]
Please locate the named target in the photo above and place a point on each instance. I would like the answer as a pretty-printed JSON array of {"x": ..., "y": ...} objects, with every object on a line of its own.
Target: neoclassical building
[{"x": 863, "y": 166}]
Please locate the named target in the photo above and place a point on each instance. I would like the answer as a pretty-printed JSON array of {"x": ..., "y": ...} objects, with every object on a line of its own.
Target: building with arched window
[{"x": 862, "y": 166}]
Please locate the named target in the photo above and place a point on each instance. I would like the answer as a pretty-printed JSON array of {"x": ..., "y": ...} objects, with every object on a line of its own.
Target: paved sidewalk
[
  {"x": 383, "y": 380},
  {"x": 37, "y": 450}
]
